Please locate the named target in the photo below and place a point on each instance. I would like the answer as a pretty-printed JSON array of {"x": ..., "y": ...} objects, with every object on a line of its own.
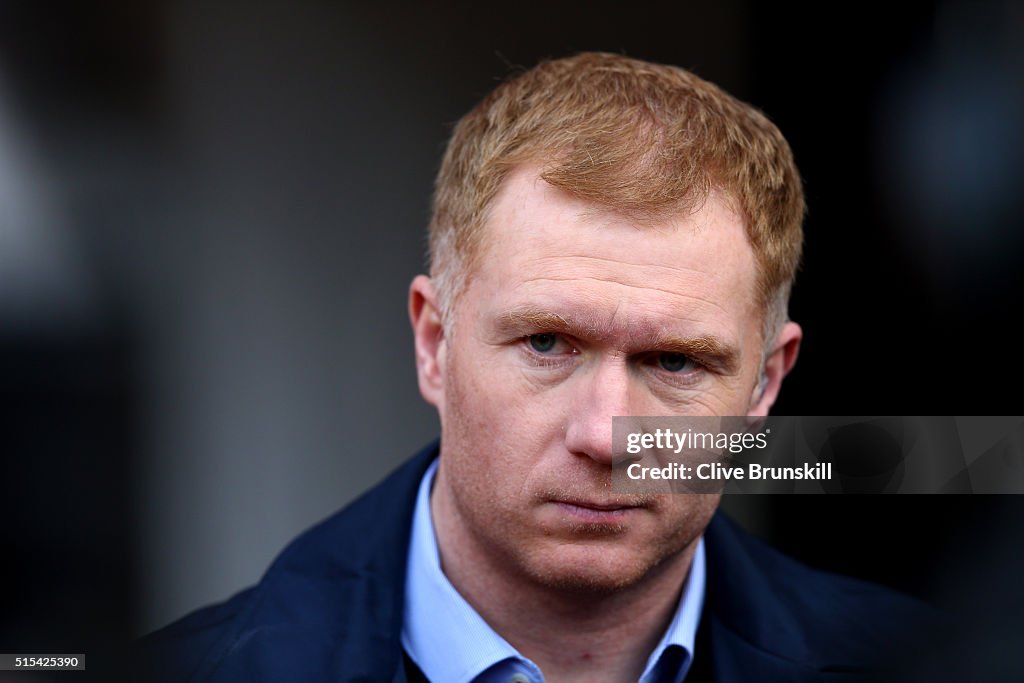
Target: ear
[
  {"x": 776, "y": 366},
  {"x": 428, "y": 333}
]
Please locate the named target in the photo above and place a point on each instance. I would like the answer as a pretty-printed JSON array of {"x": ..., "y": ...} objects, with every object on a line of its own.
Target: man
[{"x": 610, "y": 237}]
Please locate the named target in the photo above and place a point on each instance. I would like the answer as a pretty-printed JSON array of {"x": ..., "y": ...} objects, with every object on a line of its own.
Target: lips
[
  {"x": 598, "y": 507},
  {"x": 595, "y": 512}
]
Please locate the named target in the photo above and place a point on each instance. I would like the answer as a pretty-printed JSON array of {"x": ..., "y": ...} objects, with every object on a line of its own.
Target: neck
[{"x": 571, "y": 635}]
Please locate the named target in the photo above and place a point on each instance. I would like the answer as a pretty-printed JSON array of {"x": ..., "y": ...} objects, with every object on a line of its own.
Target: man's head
[
  {"x": 610, "y": 237},
  {"x": 647, "y": 140}
]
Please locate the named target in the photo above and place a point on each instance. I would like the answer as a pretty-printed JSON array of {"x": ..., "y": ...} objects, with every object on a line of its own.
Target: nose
[{"x": 599, "y": 395}]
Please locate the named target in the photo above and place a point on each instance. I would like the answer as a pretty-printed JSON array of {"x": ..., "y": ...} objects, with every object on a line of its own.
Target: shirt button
[{"x": 519, "y": 678}]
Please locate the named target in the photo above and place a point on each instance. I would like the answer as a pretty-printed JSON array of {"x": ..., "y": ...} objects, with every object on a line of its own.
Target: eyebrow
[{"x": 709, "y": 349}]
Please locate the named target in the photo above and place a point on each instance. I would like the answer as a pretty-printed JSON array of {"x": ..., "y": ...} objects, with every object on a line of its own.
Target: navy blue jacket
[{"x": 330, "y": 609}]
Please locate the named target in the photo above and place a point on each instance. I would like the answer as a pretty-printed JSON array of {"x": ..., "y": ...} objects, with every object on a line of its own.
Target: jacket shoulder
[
  {"x": 178, "y": 651},
  {"x": 329, "y": 607}
]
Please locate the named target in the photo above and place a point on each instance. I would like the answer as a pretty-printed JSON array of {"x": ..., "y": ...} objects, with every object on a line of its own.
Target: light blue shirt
[{"x": 451, "y": 643}]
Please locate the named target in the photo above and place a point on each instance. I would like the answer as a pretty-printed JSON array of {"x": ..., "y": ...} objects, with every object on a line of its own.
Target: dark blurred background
[{"x": 210, "y": 213}]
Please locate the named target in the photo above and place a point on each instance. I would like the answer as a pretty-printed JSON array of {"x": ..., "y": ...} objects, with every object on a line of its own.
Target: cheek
[
  {"x": 480, "y": 423},
  {"x": 501, "y": 437},
  {"x": 492, "y": 397},
  {"x": 723, "y": 399},
  {"x": 685, "y": 516}
]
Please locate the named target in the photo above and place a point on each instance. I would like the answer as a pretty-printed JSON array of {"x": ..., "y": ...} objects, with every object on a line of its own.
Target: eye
[
  {"x": 543, "y": 343},
  {"x": 549, "y": 350},
  {"x": 675, "y": 362}
]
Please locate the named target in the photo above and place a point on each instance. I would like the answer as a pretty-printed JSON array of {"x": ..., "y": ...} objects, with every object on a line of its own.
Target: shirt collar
[
  {"x": 682, "y": 631},
  {"x": 449, "y": 641}
]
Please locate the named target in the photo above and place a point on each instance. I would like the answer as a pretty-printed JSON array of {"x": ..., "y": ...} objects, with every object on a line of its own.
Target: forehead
[{"x": 543, "y": 247}]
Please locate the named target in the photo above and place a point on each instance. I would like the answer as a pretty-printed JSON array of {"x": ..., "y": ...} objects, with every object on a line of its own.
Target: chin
[{"x": 594, "y": 570}]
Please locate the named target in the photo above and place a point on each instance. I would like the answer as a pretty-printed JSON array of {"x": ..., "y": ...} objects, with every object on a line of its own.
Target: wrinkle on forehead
[
  {"x": 627, "y": 267},
  {"x": 648, "y": 287},
  {"x": 618, "y": 261}
]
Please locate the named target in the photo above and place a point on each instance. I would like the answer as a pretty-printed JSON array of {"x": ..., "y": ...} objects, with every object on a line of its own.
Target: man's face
[{"x": 575, "y": 315}]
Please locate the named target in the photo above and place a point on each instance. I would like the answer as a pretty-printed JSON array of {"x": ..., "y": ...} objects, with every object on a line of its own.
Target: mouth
[{"x": 596, "y": 512}]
